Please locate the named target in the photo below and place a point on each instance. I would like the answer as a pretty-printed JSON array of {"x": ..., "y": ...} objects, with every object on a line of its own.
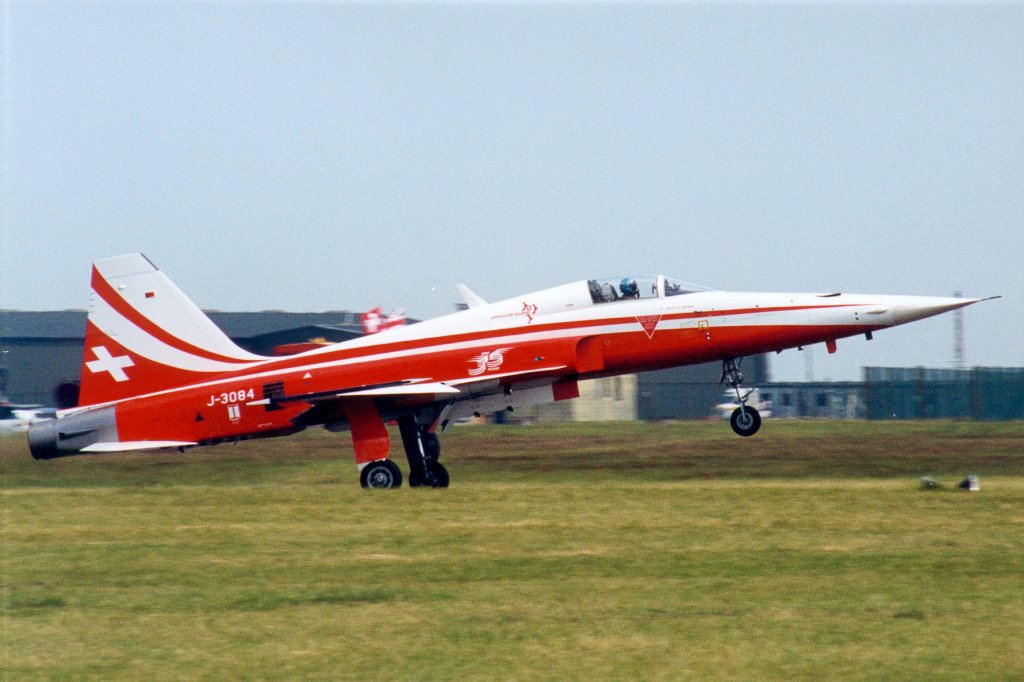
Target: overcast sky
[{"x": 324, "y": 155}]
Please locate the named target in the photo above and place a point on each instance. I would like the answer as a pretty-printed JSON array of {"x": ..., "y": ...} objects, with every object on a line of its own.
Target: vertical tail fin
[{"x": 144, "y": 335}]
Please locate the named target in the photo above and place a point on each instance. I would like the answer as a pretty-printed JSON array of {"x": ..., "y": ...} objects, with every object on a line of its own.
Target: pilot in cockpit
[{"x": 629, "y": 288}]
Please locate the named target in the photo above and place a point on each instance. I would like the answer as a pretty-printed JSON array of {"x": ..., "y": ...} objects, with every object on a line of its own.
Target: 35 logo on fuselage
[{"x": 487, "y": 362}]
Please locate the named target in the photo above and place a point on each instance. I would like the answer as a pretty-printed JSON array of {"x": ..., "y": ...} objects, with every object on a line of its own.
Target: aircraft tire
[
  {"x": 745, "y": 421},
  {"x": 431, "y": 446},
  {"x": 383, "y": 474},
  {"x": 440, "y": 475}
]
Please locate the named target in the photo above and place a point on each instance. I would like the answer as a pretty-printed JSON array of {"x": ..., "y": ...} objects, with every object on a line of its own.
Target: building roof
[{"x": 50, "y": 324}]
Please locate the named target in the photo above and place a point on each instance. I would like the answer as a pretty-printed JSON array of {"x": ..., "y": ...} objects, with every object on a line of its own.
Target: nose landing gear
[{"x": 745, "y": 420}]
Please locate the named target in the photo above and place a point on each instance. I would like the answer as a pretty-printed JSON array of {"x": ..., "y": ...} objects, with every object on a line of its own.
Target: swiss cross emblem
[
  {"x": 649, "y": 323},
  {"x": 105, "y": 362}
]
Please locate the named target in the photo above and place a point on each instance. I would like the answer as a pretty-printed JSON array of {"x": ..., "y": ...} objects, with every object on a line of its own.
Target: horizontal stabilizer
[{"x": 129, "y": 445}]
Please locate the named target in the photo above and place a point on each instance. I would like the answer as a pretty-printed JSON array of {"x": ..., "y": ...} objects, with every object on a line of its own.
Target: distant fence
[{"x": 983, "y": 393}]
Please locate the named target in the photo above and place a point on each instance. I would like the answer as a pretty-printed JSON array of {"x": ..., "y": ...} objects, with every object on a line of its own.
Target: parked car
[
  {"x": 14, "y": 418},
  {"x": 725, "y": 408}
]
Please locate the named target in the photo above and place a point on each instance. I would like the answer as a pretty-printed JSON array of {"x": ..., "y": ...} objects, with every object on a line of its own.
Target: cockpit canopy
[{"x": 632, "y": 287}]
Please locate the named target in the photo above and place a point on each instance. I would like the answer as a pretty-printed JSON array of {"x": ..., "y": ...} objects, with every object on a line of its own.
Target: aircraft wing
[
  {"x": 410, "y": 388},
  {"x": 130, "y": 445},
  {"x": 488, "y": 393},
  {"x": 398, "y": 389}
]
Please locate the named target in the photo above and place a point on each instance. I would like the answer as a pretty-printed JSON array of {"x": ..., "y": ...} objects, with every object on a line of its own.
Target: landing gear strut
[
  {"x": 745, "y": 420},
  {"x": 423, "y": 449}
]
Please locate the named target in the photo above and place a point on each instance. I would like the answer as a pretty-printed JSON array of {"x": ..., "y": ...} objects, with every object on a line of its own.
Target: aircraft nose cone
[{"x": 919, "y": 307}]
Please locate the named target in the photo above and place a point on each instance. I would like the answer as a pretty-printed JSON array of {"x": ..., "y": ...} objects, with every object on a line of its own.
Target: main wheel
[
  {"x": 431, "y": 446},
  {"x": 440, "y": 475},
  {"x": 745, "y": 421},
  {"x": 381, "y": 474}
]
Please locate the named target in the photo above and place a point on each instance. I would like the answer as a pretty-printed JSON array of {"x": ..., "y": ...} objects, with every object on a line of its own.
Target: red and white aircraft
[
  {"x": 157, "y": 373},
  {"x": 375, "y": 321}
]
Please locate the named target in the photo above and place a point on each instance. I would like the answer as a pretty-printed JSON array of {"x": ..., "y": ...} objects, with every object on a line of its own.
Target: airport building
[
  {"x": 814, "y": 399},
  {"x": 982, "y": 393},
  {"x": 42, "y": 351}
]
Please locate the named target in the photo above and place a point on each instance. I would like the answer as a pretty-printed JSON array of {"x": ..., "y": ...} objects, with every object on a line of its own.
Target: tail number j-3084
[{"x": 231, "y": 397}]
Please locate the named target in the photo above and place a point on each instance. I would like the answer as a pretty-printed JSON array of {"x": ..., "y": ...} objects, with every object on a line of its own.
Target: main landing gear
[
  {"x": 373, "y": 444},
  {"x": 745, "y": 420},
  {"x": 423, "y": 449}
]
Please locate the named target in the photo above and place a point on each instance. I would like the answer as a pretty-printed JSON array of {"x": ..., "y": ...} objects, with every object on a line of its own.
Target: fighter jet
[{"x": 157, "y": 373}]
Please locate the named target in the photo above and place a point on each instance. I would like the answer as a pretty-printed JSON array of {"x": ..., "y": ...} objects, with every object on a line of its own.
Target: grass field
[{"x": 597, "y": 551}]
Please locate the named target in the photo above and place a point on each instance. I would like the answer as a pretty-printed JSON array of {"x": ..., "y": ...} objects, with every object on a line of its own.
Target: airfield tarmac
[{"x": 574, "y": 551}]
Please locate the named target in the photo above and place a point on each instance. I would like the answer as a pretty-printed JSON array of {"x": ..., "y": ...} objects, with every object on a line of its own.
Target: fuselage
[
  {"x": 548, "y": 337},
  {"x": 530, "y": 348}
]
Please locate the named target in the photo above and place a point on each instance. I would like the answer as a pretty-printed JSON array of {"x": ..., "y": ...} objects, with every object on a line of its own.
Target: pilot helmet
[{"x": 628, "y": 287}]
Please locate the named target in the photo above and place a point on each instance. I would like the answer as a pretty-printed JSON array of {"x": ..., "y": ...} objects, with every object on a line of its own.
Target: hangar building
[{"x": 40, "y": 351}]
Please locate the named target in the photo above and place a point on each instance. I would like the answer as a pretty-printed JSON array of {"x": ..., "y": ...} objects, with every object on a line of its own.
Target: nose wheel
[{"x": 745, "y": 420}]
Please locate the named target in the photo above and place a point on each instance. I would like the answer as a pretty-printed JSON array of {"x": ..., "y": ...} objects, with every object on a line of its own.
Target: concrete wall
[{"x": 607, "y": 399}]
